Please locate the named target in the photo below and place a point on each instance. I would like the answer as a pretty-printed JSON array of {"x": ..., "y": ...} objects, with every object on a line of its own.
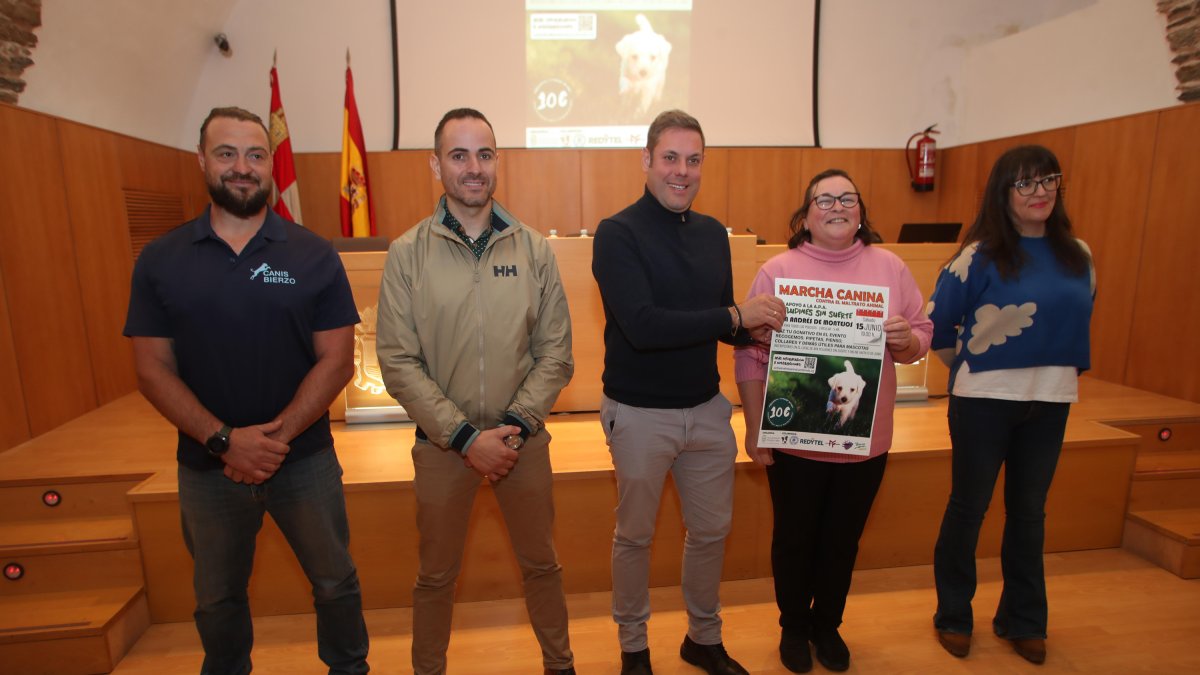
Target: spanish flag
[
  {"x": 286, "y": 200},
  {"x": 358, "y": 213}
]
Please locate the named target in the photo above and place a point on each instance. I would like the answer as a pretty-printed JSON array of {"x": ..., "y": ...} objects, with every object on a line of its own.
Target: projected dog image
[
  {"x": 644, "y": 57},
  {"x": 845, "y": 389}
]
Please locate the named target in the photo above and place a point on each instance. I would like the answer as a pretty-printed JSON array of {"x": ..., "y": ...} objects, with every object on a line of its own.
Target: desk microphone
[{"x": 757, "y": 239}]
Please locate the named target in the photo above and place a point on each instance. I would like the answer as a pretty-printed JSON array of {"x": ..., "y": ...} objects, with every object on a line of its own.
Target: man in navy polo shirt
[{"x": 243, "y": 333}]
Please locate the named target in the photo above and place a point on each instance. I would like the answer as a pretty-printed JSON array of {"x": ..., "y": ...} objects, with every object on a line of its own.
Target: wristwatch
[
  {"x": 514, "y": 441},
  {"x": 218, "y": 443}
]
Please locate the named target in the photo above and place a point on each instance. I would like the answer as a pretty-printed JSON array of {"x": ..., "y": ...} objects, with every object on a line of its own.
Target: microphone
[{"x": 757, "y": 239}]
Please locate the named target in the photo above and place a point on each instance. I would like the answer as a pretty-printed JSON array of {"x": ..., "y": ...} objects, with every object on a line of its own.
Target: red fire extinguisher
[{"x": 921, "y": 159}]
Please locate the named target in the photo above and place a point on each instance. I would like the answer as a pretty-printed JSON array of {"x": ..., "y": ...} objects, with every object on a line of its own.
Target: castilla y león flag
[
  {"x": 286, "y": 200},
  {"x": 358, "y": 213}
]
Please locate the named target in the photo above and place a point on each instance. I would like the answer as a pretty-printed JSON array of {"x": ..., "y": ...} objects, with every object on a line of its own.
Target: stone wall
[
  {"x": 18, "y": 18},
  {"x": 1183, "y": 34}
]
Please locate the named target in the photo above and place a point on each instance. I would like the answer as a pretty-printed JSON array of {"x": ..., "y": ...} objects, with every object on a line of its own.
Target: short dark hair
[
  {"x": 994, "y": 229},
  {"x": 234, "y": 113},
  {"x": 672, "y": 119},
  {"x": 457, "y": 114},
  {"x": 802, "y": 235}
]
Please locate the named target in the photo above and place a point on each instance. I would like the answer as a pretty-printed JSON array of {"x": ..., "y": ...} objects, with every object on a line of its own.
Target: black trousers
[{"x": 820, "y": 509}]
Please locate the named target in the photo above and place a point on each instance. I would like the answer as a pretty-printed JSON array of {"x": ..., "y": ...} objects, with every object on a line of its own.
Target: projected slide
[{"x": 598, "y": 72}]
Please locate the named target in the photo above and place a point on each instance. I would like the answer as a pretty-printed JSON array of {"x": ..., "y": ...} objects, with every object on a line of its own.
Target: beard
[
  {"x": 233, "y": 202},
  {"x": 470, "y": 198}
]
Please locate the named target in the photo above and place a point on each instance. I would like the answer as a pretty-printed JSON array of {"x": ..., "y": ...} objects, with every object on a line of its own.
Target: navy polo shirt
[{"x": 242, "y": 325}]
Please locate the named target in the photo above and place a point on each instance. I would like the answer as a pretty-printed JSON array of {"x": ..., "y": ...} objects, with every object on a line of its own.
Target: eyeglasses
[
  {"x": 846, "y": 199},
  {"x": 1028, "y": 186}
]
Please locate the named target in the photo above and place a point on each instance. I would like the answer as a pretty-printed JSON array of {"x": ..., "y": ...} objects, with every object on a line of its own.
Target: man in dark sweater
[{"x": 667, "y": 282}]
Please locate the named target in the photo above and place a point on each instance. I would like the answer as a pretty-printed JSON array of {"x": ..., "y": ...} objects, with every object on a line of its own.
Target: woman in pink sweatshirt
[{"x": 821, "y": 499}]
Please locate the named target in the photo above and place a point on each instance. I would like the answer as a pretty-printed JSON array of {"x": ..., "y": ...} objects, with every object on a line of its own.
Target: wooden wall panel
[
  {"x": 401, "y": 182},
  {"x": 317, "y": 174},
  {"x": 37, "y": 257},
  {"x": 543, "y": 188},
  {"x": 1165, "y": 336},
  {"x": 857, "y": 163},
  {"x": 765, "y": 188},
  {"x": 14, "y": 424},
  {"x": 890, "y": 196},
  {"x": 92, "y": 178},
  {"x": 1107, "y": 203},
  {"x": 713, "y": 198},
  {"x": 610, "y": 181},
  {"x": 193, "y": 191},
  {"x": 957, "y": 185},
  {"x": 148, "y": 166}
]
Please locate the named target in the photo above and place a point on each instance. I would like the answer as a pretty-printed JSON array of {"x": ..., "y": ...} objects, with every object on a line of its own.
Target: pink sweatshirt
[{"x": 858, "y": 264}]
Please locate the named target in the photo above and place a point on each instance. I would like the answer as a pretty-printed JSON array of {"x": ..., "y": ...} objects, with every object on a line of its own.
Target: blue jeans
[
  {"x": 221, "y": 519},
  {"x": 1025, "y": 437}
]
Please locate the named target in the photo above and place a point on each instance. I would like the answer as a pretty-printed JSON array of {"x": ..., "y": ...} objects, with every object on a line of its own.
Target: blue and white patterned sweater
[{"x": 1039, "y": 318}]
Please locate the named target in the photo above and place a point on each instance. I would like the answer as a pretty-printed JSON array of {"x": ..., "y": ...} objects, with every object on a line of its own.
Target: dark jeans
[
  {"x": 820, "y": 510},
  {"x": 221, "y": 519},
  {"x": 1025, "y": 437}
]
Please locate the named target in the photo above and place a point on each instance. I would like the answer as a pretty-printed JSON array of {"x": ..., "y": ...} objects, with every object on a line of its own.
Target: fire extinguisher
[{"x": 921, "y": 159}]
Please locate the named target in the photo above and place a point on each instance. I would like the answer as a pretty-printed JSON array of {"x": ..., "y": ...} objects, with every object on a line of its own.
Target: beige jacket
[{"x": 465, "y": 345}]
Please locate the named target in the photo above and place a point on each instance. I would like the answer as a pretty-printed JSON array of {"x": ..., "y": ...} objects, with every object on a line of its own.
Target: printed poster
[{"x": 823, "y": 370}]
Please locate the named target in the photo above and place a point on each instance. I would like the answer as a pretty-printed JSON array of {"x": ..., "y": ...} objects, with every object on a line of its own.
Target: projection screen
[{"x": 593, "y": 73}]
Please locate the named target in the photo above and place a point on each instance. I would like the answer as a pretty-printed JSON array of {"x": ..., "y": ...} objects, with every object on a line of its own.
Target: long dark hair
[
  {"x": 801, "y": 236},
  {"x": 994, "y": 229}
]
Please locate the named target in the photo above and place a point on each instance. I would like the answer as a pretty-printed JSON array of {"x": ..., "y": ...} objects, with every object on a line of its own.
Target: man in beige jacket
[{"x": 474, "y": 340}]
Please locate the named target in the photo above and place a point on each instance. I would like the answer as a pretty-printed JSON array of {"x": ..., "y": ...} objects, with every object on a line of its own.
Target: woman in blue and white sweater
[{"x": 1010, "y": 314}]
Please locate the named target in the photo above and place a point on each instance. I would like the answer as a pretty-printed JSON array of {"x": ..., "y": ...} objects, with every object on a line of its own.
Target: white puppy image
[
  {"x": 845, "y": 388},
  {"x": 644, "y": 56}
]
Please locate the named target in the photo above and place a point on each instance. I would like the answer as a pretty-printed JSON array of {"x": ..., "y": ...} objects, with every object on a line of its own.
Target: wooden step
[
  {"x": 1165, "y": 490},
  {"x": 78, "y": 497},
  {"x": 70, "y": 632},
  {"x": 1167, "y": 446},
  {"x": 47, "y": 570},
  {"x": 97, "y": 533},
  {"x": 1167, "y": 464},
  {"x": 1169, "y": 538}
]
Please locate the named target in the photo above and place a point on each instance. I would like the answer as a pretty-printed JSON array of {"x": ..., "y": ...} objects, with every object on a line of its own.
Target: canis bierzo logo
[{"x": 270, "y": 276}]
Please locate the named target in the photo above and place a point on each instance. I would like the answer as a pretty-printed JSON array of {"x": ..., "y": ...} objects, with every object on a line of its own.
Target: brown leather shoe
[
  {"x": 1032, "y": 650},
  {"x": 957, "y": 644}
]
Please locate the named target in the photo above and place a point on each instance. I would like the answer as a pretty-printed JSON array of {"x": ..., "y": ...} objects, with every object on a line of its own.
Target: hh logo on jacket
[{"x": 504, "y": 270}]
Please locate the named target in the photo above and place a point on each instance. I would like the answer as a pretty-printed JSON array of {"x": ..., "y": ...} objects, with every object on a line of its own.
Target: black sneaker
[
  {"x": 794, "y": 653},
  {"x": 636, "y": 663},
  {"x": 712, "y": 659},
  {"x": 832, "y": 651}
]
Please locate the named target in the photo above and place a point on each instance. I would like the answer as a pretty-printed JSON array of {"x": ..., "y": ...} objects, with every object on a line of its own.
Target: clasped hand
[
  {"x": 488, "y": 454},
  {"x": 254, "y": 455}
]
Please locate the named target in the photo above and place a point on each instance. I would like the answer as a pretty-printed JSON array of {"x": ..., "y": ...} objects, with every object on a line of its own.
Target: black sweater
[{"x": 667, "y": 283}]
